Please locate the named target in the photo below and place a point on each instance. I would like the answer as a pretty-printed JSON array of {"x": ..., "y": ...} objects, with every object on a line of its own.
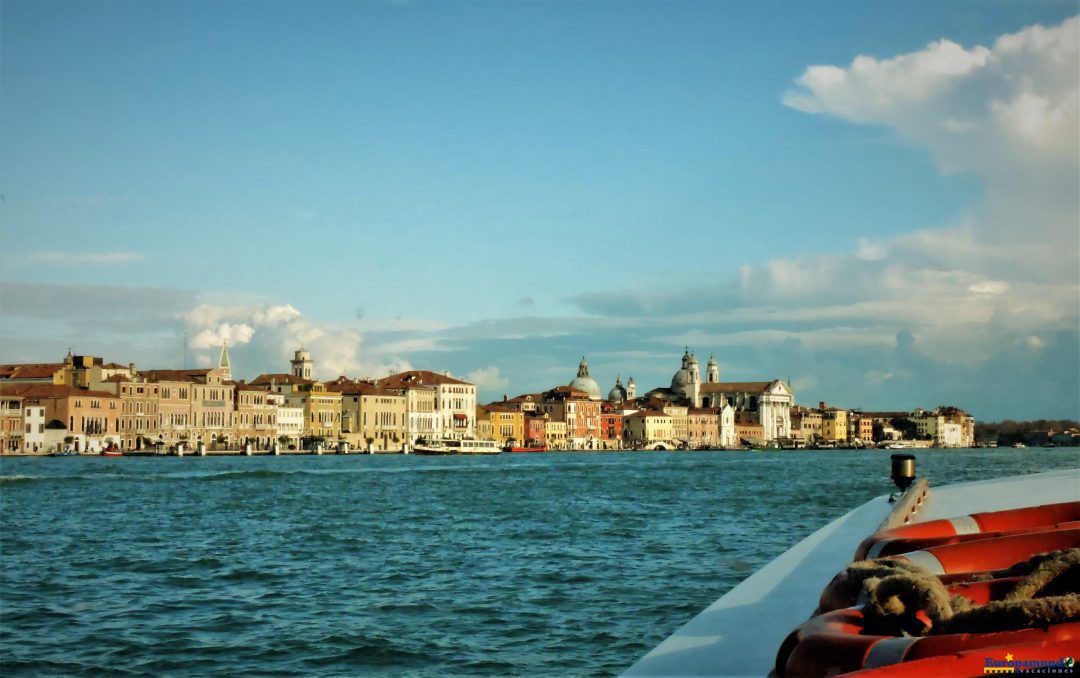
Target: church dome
[
  {"x": 687, "y": 374},
  {"x": 617, "y": 394},
  {"x": 583, "y": 382},
  {"x": 680, "y": 379}
]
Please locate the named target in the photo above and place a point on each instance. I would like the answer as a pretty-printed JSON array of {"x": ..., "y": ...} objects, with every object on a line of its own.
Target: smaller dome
[{"x": 618, "y": 393}]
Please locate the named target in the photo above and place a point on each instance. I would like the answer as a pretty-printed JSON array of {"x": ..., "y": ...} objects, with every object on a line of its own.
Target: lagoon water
[{"x": 524, "y": 564}]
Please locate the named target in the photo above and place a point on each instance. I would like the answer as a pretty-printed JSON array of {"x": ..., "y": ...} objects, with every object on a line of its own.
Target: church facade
[{"x": 770, "y": 401}]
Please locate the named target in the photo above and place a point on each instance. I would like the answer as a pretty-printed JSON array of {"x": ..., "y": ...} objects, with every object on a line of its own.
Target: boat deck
[{"x": 739, "y": 634}]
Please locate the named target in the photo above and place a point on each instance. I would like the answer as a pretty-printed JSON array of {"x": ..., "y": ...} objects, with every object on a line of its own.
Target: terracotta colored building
[
  {"x": 89, "y": 418},
  {"x": 611, "y": 427}
]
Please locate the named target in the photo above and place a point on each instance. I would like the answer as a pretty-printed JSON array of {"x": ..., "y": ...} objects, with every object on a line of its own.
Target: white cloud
[
  {"x": 869, "y": 252},
  {"x": 1008, "y": 112},
  {"x": 991, "y": 287},
  {"x": 233, "y": 334},
  {"x": 85, "y": 258},
  {"x": 487, "y": 379},
  {"x": 262, "y": 338}
]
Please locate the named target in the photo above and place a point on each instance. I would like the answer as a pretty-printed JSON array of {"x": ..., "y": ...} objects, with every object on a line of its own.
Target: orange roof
[
  {"x": 649, "y": 413},
  {"x": 357, "y": 388},
  {"x": 173, "y": 375},
  {"x": 737, "y": 387},
  {"x": 50, "y": 391},
  {"x": 496, "y": 407},
  {"x": 30, "y": 370},
  {"x": 419, "y": 377},
  {"x": 281, "y": 378},
  {"x": 703, "y": 410}
]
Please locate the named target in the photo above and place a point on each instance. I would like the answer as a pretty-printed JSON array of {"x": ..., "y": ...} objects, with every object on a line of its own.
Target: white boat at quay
[
  {"x": 453, "y": 446},
  {"x": 741, "y": 633}
]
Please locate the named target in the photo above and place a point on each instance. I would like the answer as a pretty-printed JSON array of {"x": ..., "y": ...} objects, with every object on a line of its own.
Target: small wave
[
  {"x": 243, "y": 475},
  {"x": 29, "y": 479}
]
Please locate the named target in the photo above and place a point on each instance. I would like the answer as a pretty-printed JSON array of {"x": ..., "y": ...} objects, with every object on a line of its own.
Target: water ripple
[{"x": 516, "y": 565}]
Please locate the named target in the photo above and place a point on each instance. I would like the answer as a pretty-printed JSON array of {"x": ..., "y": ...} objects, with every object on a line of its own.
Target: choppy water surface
[{"x": 572, "y": 563}]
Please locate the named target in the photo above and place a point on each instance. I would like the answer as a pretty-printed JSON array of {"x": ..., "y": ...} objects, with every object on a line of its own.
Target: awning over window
[{"x": 460, "y": 417}]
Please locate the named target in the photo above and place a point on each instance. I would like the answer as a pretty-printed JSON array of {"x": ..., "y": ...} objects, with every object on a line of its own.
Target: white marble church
[{"x": 770, "y": 400}]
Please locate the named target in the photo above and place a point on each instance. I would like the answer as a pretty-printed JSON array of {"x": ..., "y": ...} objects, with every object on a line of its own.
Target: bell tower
[
  {"x": 712, "y": 371},
  {"x": 224, "y": 364},
  {"x": 302, "y": 365}
]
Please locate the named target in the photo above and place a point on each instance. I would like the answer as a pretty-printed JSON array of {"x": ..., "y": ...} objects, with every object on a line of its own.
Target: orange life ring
[
  {"x": 833, "y": 643},
  {"x": 1010, "y": 520},
  {"x": 974, "y": 662},
  {"x": 891, "y": 546},
  {"x": 991, "y": 554}
]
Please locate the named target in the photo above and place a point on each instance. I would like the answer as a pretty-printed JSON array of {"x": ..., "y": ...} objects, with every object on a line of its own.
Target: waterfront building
[
  {"x": 748, "y": 430},
  {"x": 555, "y": 434},
  {"x": 770, "y": 401},
  {"x": 680, "y": 429},
  {"x": 484, "y": 428},
  {"x": 372, "y": 417},
  {"x": 11, "y": 422},
  {"x": 580, "y": 413},
  {"x": 322, "y": 411},
  {"x": 860, "y": 429},
  {"x": 290, "y": 420},
  {"x": 805, "y": 424},
  {"x": 966, "y": 423},
  {"x": 173, "y": 405},
  {"x": 84, "y": 420},
  {"x": 35, "y": 437},
  {"x": 255, "y": 416},
  {"x": 210, "y": 406},
  {"x": 834, "y": 423},
  {"x": 535, "y": 429},
  {"x": 703, "y": 427},
  {"x": 529, "y": 403},
  {"x": 611, "y": 426},
  {"x": 728, "y": 435},
  {"x": 507, "y": 425},
  {"x": 945, "y": 431},
  {"x": 647, "y": 427},
  {"x": 140, "y": 418},
  {"x": 584, "y": 382},
  {"x": 455, "y": 400}
]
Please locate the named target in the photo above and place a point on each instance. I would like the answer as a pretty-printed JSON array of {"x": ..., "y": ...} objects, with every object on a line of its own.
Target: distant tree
[
  {"x": 907, "y": 428},
  {"x": 878, "y": 432}
]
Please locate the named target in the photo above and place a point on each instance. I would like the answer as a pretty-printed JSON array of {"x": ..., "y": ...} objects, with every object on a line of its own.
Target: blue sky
[{"x": 498, "y": 188}]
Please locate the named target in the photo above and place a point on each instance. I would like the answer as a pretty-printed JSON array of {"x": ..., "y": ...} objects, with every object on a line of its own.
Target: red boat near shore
[
  {"x": 112, "y": 453},
  {"x": 524, "y": 449}
]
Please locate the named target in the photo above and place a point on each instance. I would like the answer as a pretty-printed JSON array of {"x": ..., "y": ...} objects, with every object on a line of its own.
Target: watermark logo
[{"x": 1010, "y": 664}]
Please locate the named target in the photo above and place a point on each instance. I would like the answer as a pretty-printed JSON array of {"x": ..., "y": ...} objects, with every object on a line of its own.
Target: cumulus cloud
[
  {"x": 262, "y": 338},
  {"x": 1007, "y": 112},
  {"x": 488, "y": 380},
  {"x": 969, "y": 311}
]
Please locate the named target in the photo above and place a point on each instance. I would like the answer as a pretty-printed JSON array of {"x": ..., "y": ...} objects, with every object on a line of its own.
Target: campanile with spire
[{"x": 224, "y": 364}]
